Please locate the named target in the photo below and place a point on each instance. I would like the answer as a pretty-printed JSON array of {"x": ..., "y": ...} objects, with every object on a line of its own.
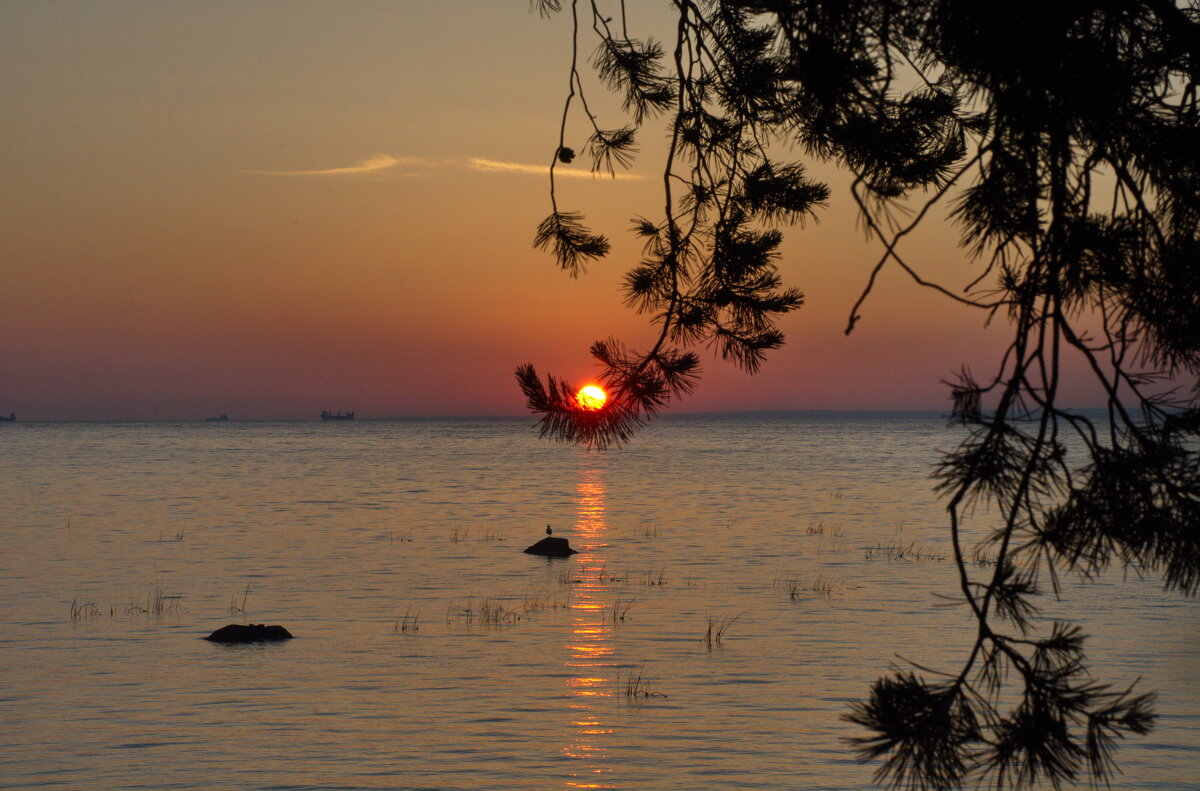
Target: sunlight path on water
[{"x": 589, "y": 659}]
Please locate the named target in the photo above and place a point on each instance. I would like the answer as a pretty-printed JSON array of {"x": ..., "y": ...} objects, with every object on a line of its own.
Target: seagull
[{"x": 549, "y": 531}]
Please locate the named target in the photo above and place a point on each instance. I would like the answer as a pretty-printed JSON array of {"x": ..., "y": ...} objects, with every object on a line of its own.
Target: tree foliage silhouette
[{"x": 1063, "y": 137}]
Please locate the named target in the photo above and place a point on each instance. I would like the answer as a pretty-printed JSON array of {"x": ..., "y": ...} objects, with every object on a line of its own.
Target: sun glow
[{"x": 591, "y": 397}]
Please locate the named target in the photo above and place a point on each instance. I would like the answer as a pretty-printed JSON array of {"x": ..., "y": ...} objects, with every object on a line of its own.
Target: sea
[{"x": 740, "y": 582}]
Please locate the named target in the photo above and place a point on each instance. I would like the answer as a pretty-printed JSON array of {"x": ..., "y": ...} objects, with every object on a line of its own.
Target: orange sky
[{"x": 267, "y": 209}]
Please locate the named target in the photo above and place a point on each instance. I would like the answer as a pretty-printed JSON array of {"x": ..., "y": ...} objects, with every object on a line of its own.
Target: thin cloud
[
  {"x": 381, "y": 163},
  {"x": 374, "y": 164},
  {"x": 492, "y": 166}
]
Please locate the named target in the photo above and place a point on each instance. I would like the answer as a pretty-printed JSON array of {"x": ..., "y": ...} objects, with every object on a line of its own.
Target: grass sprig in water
[
  {"x": 717, "y": 626},
  {"x": 237, "y": 605},
  {"x": 620, "y": 608},
  {"x": 83, "y": 609},
  {"x": 538, "y": 600},
  {"x": 158, "y": 601},
  {"x": 797, "y": 586},
  {"x": 409, "y": 621},
  {"x": 634, "y": 687},
  {"x": 897, "y": 550},
  {"x": 481, "y": 611},
  {"x": 654, "y": 578}
]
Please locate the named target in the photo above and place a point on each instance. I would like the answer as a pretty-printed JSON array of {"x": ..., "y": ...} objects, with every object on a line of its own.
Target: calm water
[{"x": 339, "y": 531}]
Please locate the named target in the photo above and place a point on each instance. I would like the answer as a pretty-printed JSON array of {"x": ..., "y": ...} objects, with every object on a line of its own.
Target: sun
[{"x": 591, "y": 397}]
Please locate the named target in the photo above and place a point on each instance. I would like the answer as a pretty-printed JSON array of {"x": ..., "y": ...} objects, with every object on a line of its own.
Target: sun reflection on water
[{"x": 588, "y": 652}]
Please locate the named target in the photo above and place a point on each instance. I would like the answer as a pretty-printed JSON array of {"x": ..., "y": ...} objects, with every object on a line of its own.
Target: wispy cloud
[
  {"x": 373, "y": 164},
  {"x": 492, "y": 166},
  {"x": 386, "y": 162}
]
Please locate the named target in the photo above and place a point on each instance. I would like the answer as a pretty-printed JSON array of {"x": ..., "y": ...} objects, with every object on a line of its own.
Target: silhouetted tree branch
[
  {"x": 1064, "y": 138},
  {"x": 709, "y": 273}
]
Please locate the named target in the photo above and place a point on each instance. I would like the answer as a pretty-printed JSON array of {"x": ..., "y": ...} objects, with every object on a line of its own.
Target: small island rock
[
  {"x": 551, "y": 547},
  {"x": 249, "y": 633}
]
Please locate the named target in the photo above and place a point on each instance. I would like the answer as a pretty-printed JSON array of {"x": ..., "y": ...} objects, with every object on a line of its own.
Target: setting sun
[{"x": 591, "y": 397}]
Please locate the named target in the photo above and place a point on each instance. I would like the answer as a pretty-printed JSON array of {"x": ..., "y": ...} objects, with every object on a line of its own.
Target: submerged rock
[
  {"x": 551, "y": 547},
  {"x": 249, "y": 633}
]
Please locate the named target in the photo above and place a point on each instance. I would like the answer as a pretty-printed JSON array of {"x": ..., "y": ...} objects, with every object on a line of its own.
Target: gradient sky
[{"x": 267, "y": 209}]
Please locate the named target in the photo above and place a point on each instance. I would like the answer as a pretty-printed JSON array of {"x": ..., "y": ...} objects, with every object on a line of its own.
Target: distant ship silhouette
[
  {"x": 12, "y": 417},
  {"x": 219, "y": 417},
  {"x": 327, "y": 415}
]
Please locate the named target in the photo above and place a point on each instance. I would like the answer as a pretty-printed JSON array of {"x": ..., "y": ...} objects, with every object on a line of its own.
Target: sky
[{"x": 268, "y": 209}]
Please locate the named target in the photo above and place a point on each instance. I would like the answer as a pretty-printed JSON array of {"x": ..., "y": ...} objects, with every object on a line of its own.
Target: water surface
[{"x": 515, "y": 676}]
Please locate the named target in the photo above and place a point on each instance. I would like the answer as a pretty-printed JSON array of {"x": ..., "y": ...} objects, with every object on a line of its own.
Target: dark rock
[
  {"x": 249, "y": 633},
  {"x": 551, "y": 547}
]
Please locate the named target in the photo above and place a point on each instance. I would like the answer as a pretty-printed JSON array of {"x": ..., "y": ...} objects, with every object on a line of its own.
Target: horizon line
[{"x": 939, "y": 412}]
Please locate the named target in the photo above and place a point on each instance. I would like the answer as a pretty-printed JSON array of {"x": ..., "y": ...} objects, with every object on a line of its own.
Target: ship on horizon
[
  {"x": 220, "y": 417},
  {"x": 11, "y": 418},
  {"x": 327, "y": 415}
]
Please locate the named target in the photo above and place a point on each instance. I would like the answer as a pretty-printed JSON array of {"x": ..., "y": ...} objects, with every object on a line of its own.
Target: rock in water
[
  {"x": 249, "y": 633},
  {"x": 551, "y": 547}
]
